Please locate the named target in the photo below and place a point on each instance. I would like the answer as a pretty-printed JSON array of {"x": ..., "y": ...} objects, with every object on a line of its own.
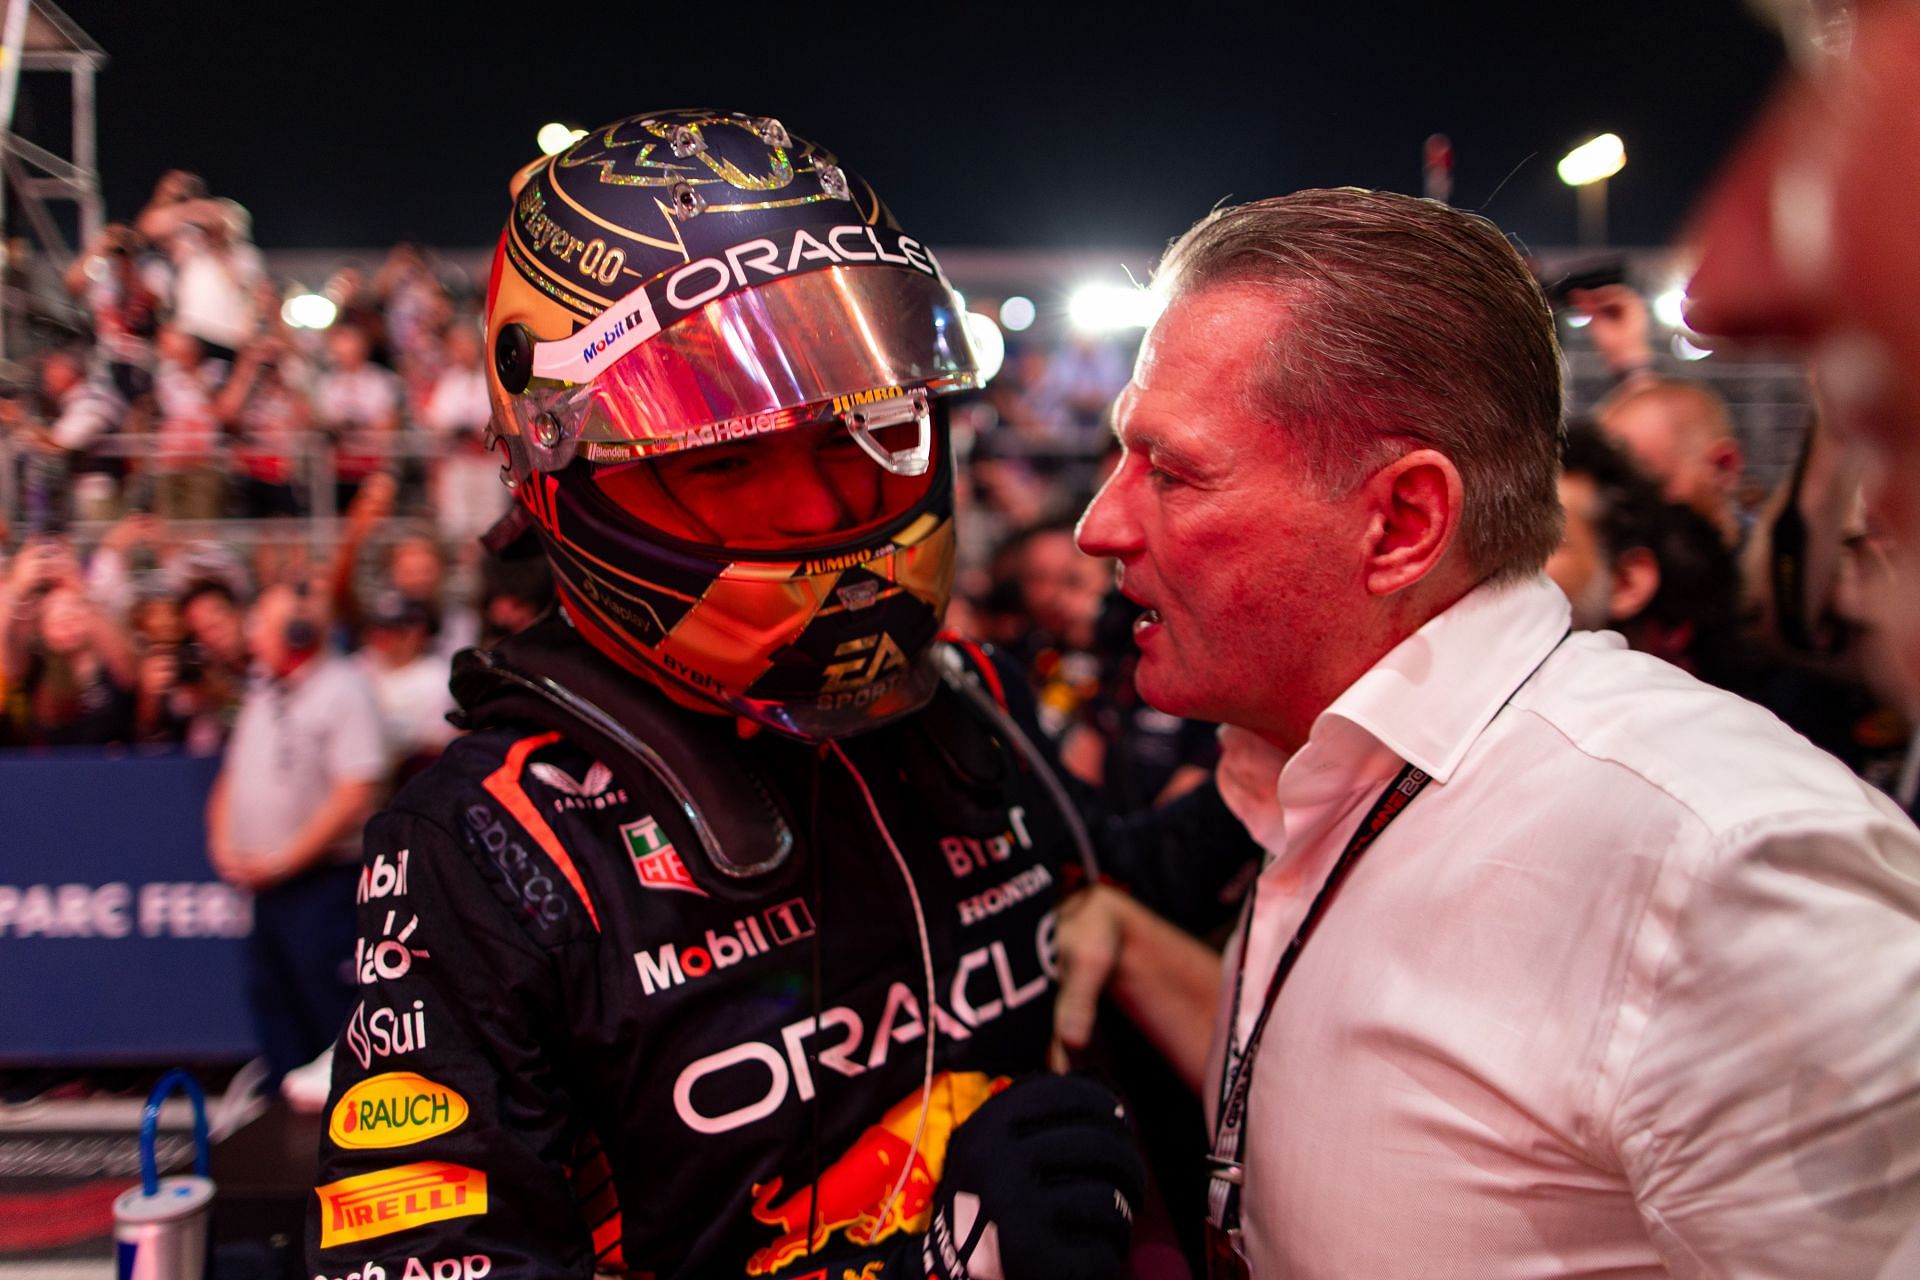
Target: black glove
[{"x": 1040, "y": 1184}]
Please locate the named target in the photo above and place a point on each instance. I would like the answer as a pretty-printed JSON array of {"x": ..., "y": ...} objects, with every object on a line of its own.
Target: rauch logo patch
[{"x": 395, "y": 1109}]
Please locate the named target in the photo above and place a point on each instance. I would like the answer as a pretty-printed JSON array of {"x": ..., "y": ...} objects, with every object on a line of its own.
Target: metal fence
[{"x": 1769, "y": 401}]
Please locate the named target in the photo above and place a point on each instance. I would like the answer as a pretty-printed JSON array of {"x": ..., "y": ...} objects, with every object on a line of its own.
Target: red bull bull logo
[{"x": 856, "y": 1192}]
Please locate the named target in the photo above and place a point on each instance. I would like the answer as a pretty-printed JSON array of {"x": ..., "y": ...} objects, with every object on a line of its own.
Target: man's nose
[
  {"x": 1107, "y": 529},
  {"x": 810, "y": 504}
]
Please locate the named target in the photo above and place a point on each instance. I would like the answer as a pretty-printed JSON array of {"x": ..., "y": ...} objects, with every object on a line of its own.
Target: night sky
[{"x": 348, "y": 124}]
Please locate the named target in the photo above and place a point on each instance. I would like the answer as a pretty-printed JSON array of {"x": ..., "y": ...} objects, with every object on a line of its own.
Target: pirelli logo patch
[{"x": 380, "y": 1203}]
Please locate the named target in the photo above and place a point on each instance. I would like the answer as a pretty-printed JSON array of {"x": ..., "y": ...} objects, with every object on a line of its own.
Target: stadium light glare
[
  {"x": 308, "y": 311},
  {"x": 1113, "y": 308},
  {"x": 1687, "y": 350},
  {"x": 1594, "y": 160},
  {"x": 989, "y": 344},
  {"x": 556, "y": 137},
  {"x": 1669, "y": 308},
  {"x": 1578, "y": 319},
  {"x": 1018, "y": 313}
]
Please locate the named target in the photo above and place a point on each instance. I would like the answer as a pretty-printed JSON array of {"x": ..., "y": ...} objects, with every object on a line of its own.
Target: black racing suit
[{"x": 581, "y": 1048}]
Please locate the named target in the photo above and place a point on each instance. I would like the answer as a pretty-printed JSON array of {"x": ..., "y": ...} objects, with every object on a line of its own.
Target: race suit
[{"x": 580, "y": 1049}]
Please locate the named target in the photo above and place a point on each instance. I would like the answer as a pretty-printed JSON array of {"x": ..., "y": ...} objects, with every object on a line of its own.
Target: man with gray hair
[{"x": 1619, "y": 977}]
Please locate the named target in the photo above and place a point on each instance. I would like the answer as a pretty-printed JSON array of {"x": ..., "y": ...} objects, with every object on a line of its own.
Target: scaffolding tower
[{"x": 38, "y": 36}]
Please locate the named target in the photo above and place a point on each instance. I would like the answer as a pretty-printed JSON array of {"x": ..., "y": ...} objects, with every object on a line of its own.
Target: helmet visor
[
  {"x": 813, "y": 488},
  {"x": 759, "y": 360}
]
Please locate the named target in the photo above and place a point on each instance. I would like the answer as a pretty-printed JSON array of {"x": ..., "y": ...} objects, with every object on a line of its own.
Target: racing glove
[{"x": 1040, "y": 1184}]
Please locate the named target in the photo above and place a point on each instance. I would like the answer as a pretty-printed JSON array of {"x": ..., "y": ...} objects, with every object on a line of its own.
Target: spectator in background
[
  {"x": 513, "y": 594},
  {"x": 1072, "y": 397},
  {"x": 162, "y": 712},
  {"x": 409, "y": 680},
  {"x": 301, "y": 773},
  {"x": 1655, "y": 572},
  {"x": 413, "y": 564},
  {"x": 123, "y": 300},
  {"x": 1680, "y": 434},
  {"x": 413, "y": 306},
  {"x": 59, "y": 430},
  {"x": 212, "y": 663},
  {"x": 70, "y": 669},
  {"x": 357, "y": 403},
  {"x": 215, "y": 266},
  {"x": 265, "y": 406},
  {"x": 360, "y": 307},
  {"x": 188, "y": 482},
  {"x": 1605, "y": 563},
  {"x": 1809, "y": 237},
  {"x": 464, "y": 478},
  {"x": 1061, "y": 592}
]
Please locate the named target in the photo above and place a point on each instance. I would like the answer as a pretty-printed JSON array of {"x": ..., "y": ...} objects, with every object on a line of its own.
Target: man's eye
[{"x": 717, "y": 466}]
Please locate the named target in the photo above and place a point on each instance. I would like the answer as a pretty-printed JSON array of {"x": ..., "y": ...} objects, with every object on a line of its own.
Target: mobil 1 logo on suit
[{"x": 673, "y": 964}]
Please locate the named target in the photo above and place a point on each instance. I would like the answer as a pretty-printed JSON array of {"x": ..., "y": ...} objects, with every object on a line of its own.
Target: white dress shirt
[{"x": 1631, "y": 989}]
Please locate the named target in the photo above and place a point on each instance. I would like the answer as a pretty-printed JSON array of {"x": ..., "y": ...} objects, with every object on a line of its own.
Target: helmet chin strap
[{"x": 895, "y": 411}]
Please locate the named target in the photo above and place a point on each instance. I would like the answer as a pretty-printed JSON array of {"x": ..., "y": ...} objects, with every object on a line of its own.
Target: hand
[
  {"x": 132, "y": 530},
  {"x": 1088, "y": 931},
  {"x": 1618, "y": 326},
  {"x": 252, "y": 872},
  {"x": 372, "y": 503},
  {"x": 1040, "y": 1184}
]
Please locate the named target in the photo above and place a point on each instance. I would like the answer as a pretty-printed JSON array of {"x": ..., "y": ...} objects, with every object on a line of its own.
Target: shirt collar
[{"x": 1430, "y": 697}]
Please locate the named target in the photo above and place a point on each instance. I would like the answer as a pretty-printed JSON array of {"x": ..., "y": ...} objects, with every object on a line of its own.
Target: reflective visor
[{"x": 766, "y": 358}]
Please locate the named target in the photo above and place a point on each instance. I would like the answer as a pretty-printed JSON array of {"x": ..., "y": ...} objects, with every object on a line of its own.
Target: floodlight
[{"x": 1593, "y": 160}]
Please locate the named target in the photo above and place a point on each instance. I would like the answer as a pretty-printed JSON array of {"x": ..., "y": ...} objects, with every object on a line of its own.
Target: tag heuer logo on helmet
[
  {"x": 655, "y": 860},
  {"x": 595, "y": 791}
]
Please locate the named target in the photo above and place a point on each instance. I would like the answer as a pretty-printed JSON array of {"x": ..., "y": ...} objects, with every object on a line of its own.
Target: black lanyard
[{"x": 1236, "y": 1073}]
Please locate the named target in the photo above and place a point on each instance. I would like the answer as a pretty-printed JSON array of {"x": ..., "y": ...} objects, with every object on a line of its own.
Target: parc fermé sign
[{"x": 116, "y": 937}]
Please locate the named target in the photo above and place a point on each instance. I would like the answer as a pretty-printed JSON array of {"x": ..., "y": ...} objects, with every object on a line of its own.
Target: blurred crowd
[{"x": 193, "y": 400}]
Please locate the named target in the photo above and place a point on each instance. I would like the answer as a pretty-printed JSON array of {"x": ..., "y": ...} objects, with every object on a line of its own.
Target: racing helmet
[{"x": 683, "y": 289}]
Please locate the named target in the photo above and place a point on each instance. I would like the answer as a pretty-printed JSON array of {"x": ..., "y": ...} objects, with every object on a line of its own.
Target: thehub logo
[
  {"x": 389, "y": 1200},
  {"x": 673, "y": 965},
  {"x": 389, "y": 957},
  {"x": 395, "y": 1109}
]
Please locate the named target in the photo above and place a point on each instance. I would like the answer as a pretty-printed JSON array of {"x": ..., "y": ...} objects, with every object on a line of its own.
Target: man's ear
[
  {"x": 1414, "y": 508},
  {"x": 1636, "y": 579}
]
